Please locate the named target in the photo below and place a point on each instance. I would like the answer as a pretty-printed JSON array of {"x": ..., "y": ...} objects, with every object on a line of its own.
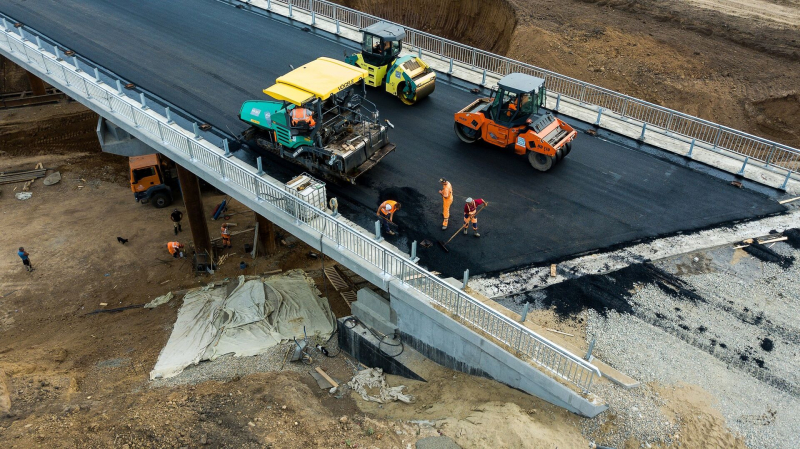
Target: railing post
[
  {"x": 451, "y": 66},
  {"x": 97, "y": 75},
  {"x": 474, "y": 56},
  {"x": 169, "y": 115},
  {"x": 691, "y": 149},
  {"x": 558, "y": 102},
  {"x": 221, "y": 164},
  {"x": 599, "y": 114},
  {"x": 190, "y": 149},
  {"x": 583, "y": 91},
  {"x": 466, "y": 278},
  {"x": 483, "y": 78},
  {"x": 414, "y": 250},
  {"x": 21, "y": 34},
  {"x": 5, "y": 24},
  {"x": 269, "y": 5},
  {"x": 769, "y": 156},
  {"x": 786, "y": 180},
  {"x": 227, "y": 150},
  {"x": 75, "y": 62},
  {"x": 644, "y": 128},
  {"x": 625, "y": 107},
  {"x": 313, "y": 14},
  {"x": 260, "y": 167},
  {"x": 133, "y": 116},
  {"x": 196, "y": 131},
  {"x": 290, "y": 8},
  {"x": 419, "y": 52},
  {"x": 38, "y": 43},
  {"x": 589, "y": 357},
  {"x": 143, "y": 101},
  {"x": 336, "y": 17},
  {"x": 119, "y": 87},
  {"x": 525, "y": 312},
  {"x": 719, "y": 134},
  {"x": 741, "y": 170},
  {"x": 55, "y": 53},
  {"x": 64, "y": 74},
  {"x": 378, "y": 237}
]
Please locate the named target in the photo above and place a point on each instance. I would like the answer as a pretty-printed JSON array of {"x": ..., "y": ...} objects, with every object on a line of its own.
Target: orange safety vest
[
  {"x": 226, "y": 231},
  {"x": 447, "y": 190},
  {"x": 173, "y": 247},
  {"x": 302, "y": 115},
  {"x": 390, "y": 203}
]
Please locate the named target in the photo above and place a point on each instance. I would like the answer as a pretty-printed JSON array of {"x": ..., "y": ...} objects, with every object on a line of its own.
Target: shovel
[{"x": 444, "y": 244}]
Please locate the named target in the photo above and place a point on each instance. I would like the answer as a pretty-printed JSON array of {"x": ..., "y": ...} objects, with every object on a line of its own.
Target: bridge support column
[
  {"x": 190, "y": 187},
  {"x": 37, "y": 85},
  {"x": 266, "y": 236}
]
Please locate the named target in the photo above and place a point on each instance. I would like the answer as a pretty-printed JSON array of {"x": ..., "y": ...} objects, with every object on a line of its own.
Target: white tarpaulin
[{"x": 258, "y": 314}]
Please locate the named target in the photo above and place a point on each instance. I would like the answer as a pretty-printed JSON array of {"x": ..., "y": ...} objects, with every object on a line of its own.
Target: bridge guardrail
[
  {"x": 517, "y": 338},
  {"x": 657, "y": 118}
]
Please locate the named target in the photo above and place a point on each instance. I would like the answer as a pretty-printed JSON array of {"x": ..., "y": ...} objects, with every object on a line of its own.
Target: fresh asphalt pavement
[{"x": 208, "y": 57}]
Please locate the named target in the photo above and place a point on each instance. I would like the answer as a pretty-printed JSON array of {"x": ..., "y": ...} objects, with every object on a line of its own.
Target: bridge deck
[{"x": 208, "y": 58}]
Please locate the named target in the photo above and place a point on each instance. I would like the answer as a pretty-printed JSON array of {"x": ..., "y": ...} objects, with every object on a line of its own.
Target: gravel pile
[
  {"x": 649, "y": 354},
  {"x": 635, "y": 413}
]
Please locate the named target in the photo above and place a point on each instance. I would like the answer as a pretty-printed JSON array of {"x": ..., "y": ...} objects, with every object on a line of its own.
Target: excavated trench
[{"x": 486, "y": 24}]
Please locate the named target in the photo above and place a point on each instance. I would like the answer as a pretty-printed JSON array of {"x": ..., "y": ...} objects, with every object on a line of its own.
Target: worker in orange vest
[
  {"x": 447, "y": 200},
  {"x": 470, "y": 212},
  {"x": 386, "y": 214},
  {"x": 226, "y": 236},
  {"x": 176, "y": 249},
  {"x": 302, "y": 116}
]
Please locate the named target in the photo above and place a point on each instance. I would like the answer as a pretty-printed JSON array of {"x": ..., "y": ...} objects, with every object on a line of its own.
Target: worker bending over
[
  {"x": 386, "y": 214},
  {"x": 226, "y": 236},
  {"x": 176, "y": 249},
  {"x": 470, "y": 212},
  {"x": 447, "y": 200}
]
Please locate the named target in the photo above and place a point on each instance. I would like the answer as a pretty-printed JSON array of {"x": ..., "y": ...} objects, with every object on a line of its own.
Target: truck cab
[{"x": 152, "y": 179}]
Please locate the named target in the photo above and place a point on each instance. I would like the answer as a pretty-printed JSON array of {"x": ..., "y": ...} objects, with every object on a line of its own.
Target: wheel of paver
[
  {"x": 466, "y": 134},
  {"x": 541, "y": 162},
  {"x": 160, "y": 200},
  {"x": 567, "y": 148},
  {"x": 560, "y": 154}
]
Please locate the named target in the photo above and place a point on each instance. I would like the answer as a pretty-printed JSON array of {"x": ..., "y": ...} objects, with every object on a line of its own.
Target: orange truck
[
  {"x": 514, "y": 116},
  {"x": 153, "y": 179}
]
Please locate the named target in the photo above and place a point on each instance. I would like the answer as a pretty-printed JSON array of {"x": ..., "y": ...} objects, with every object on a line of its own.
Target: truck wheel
[
  {"x": 541, "y": 162},
  {"x": 160, "y": 200},
  {"x": 465, "y": 133}
]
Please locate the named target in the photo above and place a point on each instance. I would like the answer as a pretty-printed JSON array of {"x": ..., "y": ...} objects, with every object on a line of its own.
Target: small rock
[
  {"x": 52, "y": 178},
  {"x": 204, "y": 440},
  {"x": 343, "y": 419},
  {"x": 251, "y": 424}
]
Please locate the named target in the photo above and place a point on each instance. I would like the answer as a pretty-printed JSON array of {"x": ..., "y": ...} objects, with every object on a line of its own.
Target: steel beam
[{"x": 190, "y": 186}]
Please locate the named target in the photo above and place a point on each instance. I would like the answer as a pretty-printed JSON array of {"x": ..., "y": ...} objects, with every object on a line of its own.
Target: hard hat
[
  {"x": 388, "y": 207},
  {"x": 442, "y": 180},
  {"x": 469, "y": 200}
]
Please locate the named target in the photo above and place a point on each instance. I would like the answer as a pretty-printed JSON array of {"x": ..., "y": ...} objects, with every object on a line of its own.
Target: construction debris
[
  {"x": 163, "y": 299},
  {"x": 790, "y": 200},
  {"x": 373, "y": 378},
  {"x": 333, "y": 383},
  {"x": 21, "y": 175},
  {"x": 22, "y": 196}
]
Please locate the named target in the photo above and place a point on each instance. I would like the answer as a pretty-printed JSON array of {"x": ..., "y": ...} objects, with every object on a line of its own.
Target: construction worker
[
  {"x": 25, "y": 260},
  {"x": 447, "y": 200},
  {"x": 386, "y": 214},
  {"x": 176, "y": 249},
  {"x": 226, "y": 236},
  {"x": 470, "y": 212},
  {"x": 176, "y": 217},
  {"x": 302, "y": 117}
]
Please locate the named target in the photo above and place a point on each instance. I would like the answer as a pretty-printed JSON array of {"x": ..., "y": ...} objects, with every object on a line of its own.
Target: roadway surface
[{"x": 208, "y": 57}]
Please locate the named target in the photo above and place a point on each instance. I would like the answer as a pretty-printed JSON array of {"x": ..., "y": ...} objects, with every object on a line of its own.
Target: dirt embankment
[
  {"x": 484, "y": 24},
  {"x": 12, "y": 77}
]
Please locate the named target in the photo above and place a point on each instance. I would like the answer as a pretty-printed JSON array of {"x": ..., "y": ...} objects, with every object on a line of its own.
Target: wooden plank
[
  {"x": 553, "y": 270},
  {"x": 326, "y": 377},
  {"x": 790, "y": 200}
]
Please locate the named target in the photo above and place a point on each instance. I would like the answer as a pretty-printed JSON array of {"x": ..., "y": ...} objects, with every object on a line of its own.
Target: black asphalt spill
[
  {"x": 766, "y": 254},
  {"x": 793, "y": 236},
  {"x": 612, "y": 291}
]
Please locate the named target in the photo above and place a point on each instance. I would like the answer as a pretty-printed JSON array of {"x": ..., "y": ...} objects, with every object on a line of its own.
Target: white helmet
[
  {"x": 469, "y": 200},
  {"x": 388, "y": 207}
]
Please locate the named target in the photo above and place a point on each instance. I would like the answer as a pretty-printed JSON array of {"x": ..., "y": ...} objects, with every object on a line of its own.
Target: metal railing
[
  {"x": 657, "y": 118},
  {"x": 77, "y": 80}
]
